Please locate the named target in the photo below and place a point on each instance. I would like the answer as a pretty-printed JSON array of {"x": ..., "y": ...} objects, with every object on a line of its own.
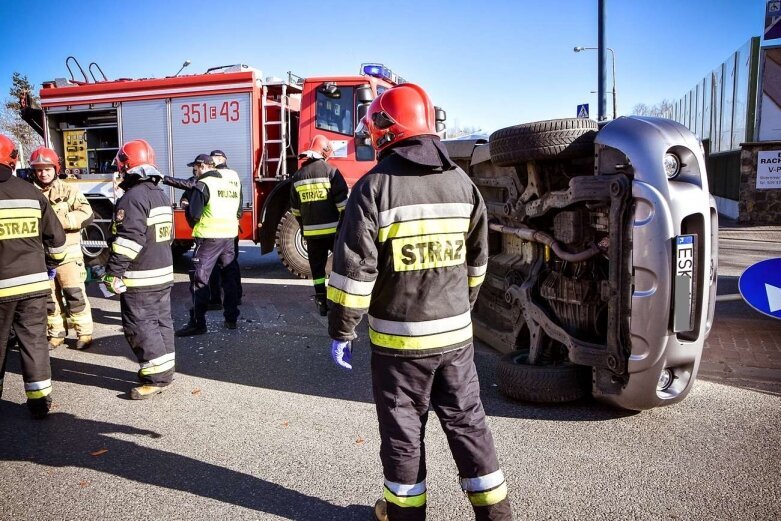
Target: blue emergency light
[{"x": 378, "y": 70}]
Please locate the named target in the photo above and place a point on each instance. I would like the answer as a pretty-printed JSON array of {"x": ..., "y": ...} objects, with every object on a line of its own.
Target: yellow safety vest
[{"x": 219, "y": 220}]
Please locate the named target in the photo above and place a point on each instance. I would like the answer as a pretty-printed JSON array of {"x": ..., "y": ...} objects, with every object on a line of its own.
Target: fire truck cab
[{"x": 260, "y": 123}]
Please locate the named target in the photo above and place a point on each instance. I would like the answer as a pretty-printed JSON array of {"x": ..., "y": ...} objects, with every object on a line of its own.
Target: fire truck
[{"x": 260, "y": 123}]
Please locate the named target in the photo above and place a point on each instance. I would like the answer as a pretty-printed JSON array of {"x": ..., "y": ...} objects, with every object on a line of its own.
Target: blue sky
[{"x": 489, "y": 63}]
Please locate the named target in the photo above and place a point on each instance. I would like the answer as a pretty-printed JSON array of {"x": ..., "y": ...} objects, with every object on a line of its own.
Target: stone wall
[{"x": 757, "y": 207}]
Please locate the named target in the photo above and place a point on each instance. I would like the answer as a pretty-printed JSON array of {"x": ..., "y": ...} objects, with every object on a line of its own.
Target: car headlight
[
  {"x": 672, "y": 165},
  {"x": 665, "y": 380}
]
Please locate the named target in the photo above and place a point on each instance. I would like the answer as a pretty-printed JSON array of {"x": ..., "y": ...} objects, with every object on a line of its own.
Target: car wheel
[
  {"x": 554, "y": 383},
  {"x": 569, "y": 138},
  {"x": 291, "y": 248}
]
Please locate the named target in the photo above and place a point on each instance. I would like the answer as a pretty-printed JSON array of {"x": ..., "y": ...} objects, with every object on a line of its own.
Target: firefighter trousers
[
  {"x": 208, "y": 254},
  {"x": 404, "y": 388},
  {"x": 68, "y": 301},
  {"x": 28, "y": 319},
  {"x": 317, "y": 248},
  {"x": 149, "y": 329}
]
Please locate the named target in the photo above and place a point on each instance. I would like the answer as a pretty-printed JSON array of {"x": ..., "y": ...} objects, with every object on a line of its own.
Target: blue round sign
[{"x": 760, "y": 286}]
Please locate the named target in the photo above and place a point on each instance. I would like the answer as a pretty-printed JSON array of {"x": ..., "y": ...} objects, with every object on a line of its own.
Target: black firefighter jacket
[
  {"x": 31, "y": 237},
  {"x": 318, "y": 196},
  {"x": 413, "y": 251},
  {"x": 143, "y": 227}
]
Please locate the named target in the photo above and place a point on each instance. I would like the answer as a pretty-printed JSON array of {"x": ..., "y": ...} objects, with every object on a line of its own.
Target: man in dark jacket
[
  {"x": 140, "y": 267},
  {"x": 29, "y": 233},
  {"x": 413, "y": 251},
  {"x": 318, "y": 195}
]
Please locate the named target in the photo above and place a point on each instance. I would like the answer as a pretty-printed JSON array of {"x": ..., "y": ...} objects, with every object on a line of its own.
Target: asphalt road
[{"x": 260, "y": 425}]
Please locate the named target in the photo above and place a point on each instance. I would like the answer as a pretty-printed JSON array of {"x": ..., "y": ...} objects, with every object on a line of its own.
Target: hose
[{"x": 528, "y": 234}]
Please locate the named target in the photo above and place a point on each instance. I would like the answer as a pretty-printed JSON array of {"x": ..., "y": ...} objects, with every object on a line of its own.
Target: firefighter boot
[
  {"x": 84, "y": 342},
  {"x": 142, "y": 392},
  {"x": 39, "y": 407},
  {"x": 322, "y": 305},
  {"x": 55, "y": 342},
  {"x": 381, "y": 510}
]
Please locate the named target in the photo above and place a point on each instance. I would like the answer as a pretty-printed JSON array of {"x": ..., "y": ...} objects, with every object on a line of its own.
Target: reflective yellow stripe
[
  {"x": 420, "y": 342},
  {"x": 159, "y": 219},
  {"x": 40, "y": 389},
  {"x": 25, "y": 288},
  {"x": 423, "y": 227},
  {"x": 476, "y": 281},
  {"x": 296, "y": 213},
  {"x": 319, "y": 281},
  {"x": 405, "y": 501},
  {"x": 348, "y": 300},
  {"x": 323, "y": 231},
  {"x": 490, "y": 497},
  {"x": 7, "y": 213},
  {"x": 159, "y": 365},
  {"x": 140, "y": 278},
  {"x": 123, "y": 250}
]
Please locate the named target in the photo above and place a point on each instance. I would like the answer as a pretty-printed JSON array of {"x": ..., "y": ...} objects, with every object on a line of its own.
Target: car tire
[
  {"x": 558, "y": 383},
  {"x": 568, "y": 138}
]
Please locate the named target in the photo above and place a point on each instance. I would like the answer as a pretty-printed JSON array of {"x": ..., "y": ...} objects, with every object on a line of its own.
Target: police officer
[
  {"x": 215, "y": 284},
  {"x": 140, "y": 267},
  {"x": 214, "y": 209},
  {"x": 412, "y": 251},
  {"x": 68, "y": 300},
  {"x": 29, "y": 233},
  {"x": 318, "y": 195}
]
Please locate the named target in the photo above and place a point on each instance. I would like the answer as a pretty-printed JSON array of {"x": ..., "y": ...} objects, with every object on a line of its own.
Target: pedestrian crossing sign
[{"x": 583, "y": 111}]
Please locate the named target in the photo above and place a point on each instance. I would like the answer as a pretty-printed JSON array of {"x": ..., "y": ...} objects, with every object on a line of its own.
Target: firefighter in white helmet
[
  {"x": 413, "y": 251},
  {"x": 318, "y": 195},
  {"x": 68, "y": 302}
]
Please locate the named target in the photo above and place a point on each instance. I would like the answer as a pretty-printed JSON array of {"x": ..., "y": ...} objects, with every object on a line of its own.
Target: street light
[
  {"x": 185, "y": 64},
  {"x": 613, "y": 56}
]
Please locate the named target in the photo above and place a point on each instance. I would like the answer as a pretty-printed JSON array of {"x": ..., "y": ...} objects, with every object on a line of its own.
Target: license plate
[{"x": 685, "y": 268}]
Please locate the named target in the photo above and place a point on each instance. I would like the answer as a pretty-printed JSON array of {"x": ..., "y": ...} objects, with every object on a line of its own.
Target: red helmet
[
  {"x": 321, "y": 146},
  {"x": 401, "y": 112},
  {"x": 8, "y": 152},
  {"x": 43, "y": 157},
  {"x": 134, "y": 153}
]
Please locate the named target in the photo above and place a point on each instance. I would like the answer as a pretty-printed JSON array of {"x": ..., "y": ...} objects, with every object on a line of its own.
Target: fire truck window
[{"x": 336, "y": 115}]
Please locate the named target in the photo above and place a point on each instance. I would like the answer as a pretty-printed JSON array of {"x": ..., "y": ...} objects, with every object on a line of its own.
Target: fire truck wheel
[
  {"x": 555, "y": 383},
  {"x": 553, "y": 139},
  {"x": 291, "y": 248},
  {"x": 180, "y": 247}
]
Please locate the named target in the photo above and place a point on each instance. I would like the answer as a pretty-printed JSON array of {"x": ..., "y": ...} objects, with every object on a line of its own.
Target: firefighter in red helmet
[
  {"x": 318, "y": 195},
  {"x": 68, "y": 301},
  {"x": 140, "y": 267},
  {"x": 412, "y": 252},
  {"x": 32, "y": 243}
]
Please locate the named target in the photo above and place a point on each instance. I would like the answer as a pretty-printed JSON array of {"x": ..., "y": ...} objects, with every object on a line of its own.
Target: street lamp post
[{"x": 613, "y": 57}]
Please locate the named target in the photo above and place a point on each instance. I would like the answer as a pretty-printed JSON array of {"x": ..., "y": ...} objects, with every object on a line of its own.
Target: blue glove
[
  {"x": 341, "y": 352},
  {"x": 52, "y": 272}
]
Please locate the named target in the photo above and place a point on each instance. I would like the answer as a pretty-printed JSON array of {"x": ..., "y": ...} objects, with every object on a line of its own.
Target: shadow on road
[{"x": 77, "y": 438}]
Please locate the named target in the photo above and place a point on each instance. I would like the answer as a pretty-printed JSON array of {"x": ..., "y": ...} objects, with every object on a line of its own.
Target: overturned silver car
[{"x": 603, "y": 243}]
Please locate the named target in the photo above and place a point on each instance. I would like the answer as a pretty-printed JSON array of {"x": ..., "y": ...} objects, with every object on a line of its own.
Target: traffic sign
[
  {"x": 760, "y": 286},
  {"x": 583, "y": 111},
  {"x": 773, "y": 20}
]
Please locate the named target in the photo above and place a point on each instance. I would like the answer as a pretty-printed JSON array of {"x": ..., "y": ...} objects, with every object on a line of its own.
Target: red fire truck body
[{"x": 260, "y": 124}]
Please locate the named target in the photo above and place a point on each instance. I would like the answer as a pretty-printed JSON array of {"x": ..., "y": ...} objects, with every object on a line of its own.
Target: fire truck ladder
[{"x": 276, "y": 114}]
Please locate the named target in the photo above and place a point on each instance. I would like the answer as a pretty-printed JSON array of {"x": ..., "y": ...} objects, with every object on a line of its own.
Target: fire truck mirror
[
  {"x": 330, "y": 90},
  {"x": 363, "y": 94},
  {"x": 362, "y": 109},
  {"x": 439, "y": 114}
]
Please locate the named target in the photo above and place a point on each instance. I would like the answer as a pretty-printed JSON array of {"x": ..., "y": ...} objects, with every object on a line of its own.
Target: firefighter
[
  {"x": 318, "y": 196},
  {"x": 140, "y": 268},
  {"x": 412, "y": 251},
  {"x": 214, "y": 209},
  {"x": 29, "y": 233},
  {"x": 68, "y": 300}
]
